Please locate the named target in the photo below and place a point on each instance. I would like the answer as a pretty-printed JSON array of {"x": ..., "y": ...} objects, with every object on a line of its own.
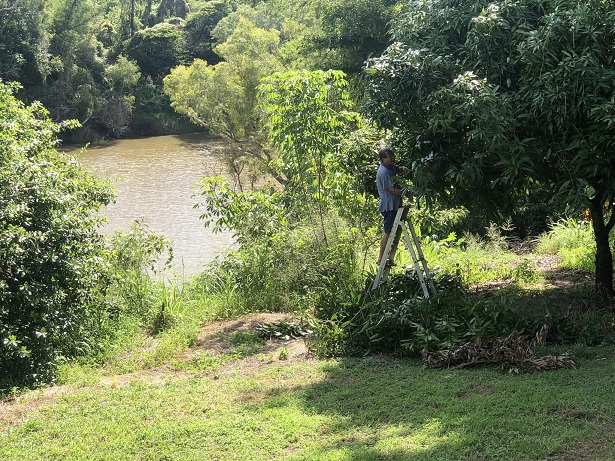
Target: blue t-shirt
[{"x": 388, "y": 201}]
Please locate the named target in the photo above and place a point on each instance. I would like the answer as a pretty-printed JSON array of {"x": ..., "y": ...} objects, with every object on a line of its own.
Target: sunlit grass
[
  {"x": 368, "y": 409},
  {"x": 572, "y": 241}
]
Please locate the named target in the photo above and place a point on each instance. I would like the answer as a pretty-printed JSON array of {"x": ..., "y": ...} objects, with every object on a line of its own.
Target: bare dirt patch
[{"x": 213, "y": 338}]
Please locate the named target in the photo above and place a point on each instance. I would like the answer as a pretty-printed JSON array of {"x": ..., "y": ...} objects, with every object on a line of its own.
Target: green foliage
[
  {"x": 583, "y": 327},
  {"x": 296, "y": 268},
  {"x": 307, "y": 115},
  {"x": 298, "y": 264},
  {"x": 283, "y": 330},
  {"x": 21, "y": 58},
  {"x": 199, "y": 26},
  {"x": 494, "y": 102},
  {"x": 398, "y": 319},
  {"x": 253, "y": 216},
  {"x": 122, "y": 79},
  {"x": 223, "y": 97},
  {"x": 477, "y": 260},
  {"x": 157, "y": 50},
  {"x": 134, "y": 257},
  {"x": 52, "y": 258},
  {"x": 572, "y": 241},
  {"x": 122, "y": 76},
  {"x": 351, "y": 32}
]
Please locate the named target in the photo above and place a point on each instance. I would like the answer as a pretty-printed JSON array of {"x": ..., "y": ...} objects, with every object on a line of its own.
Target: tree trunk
[
  {"x": 132, "y": 17},
  {"x": 604, "y": 257}
]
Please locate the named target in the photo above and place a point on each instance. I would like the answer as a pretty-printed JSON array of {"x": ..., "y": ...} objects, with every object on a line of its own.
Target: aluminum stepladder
[{"x": 402, "y": 225}]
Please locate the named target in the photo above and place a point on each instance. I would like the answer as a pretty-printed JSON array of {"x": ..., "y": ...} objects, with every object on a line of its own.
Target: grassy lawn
[{"x": 241, "y": 398}]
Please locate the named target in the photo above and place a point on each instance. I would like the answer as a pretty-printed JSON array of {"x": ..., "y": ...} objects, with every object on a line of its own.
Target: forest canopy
[{"x": 67, "y": 53}]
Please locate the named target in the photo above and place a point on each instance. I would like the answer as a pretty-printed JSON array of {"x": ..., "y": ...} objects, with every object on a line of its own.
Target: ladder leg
[
  {"x": 383, "y": 270},
  {"x": 415, "y": 260},
  {"x": 419, "y": 251}
]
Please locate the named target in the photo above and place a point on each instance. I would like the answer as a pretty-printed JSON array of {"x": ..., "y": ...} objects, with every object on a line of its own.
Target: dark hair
[{"x": 386, "y": 152}]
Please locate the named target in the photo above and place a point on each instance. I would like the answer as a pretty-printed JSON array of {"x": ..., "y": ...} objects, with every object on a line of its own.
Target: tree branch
[{"x": 18, "y": 4}]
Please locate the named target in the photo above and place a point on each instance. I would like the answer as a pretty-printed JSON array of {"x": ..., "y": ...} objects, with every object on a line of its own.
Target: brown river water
[{"x": 155, "y": 179}]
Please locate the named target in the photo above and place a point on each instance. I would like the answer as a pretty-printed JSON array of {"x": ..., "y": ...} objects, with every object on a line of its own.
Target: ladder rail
[
  {"x": 383, "y": 269},
  {"x": 401, "y": 225},
  {"x": 417, "y": 268},
  {"x": 421, "y": 258}
]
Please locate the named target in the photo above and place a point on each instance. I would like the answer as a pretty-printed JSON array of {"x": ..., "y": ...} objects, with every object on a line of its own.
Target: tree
[
  {"x": 157, "y": 50},
  {"x": 198, "y": 29},
  {"x": 223, "y": 97},
  {"x": 51, "y": 255},
  {"x": 351, "y": 32},
  {"x": 72, "y": 89},
  {"x": 122, "y": 78},
  {"x": 490, "y": 99},
  {"x": 308, "y": 115},
  {"x": 21, "y": 57},
  {"x": 172, "y": 9}
]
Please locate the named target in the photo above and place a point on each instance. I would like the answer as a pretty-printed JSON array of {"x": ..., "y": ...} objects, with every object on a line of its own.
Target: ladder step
[{"x": 401, "y": 226}]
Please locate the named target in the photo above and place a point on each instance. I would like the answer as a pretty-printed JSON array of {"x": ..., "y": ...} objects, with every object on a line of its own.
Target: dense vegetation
[
  {"x": 503, "y": 128},
  {"x": 102, "y": 62},
  {"x": 50, "y": 250}
]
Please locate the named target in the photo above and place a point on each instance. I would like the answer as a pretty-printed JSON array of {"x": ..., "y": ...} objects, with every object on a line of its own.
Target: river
[{"x": 155, "y": 180}]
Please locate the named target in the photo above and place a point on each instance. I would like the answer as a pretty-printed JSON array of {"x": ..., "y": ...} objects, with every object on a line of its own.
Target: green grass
[
  {"x": 351, "y": 409},
  {"x": 250, "y": 402}
]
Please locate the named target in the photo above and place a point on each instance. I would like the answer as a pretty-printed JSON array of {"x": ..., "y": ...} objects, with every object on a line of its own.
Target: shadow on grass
[
  {"x": 393, "y": 409},
  {"x": 387, "y": 409},
  {"x": 565, "y": 300}
]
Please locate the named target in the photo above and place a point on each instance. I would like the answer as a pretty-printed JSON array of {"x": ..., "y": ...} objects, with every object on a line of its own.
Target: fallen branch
[{"x": 513, "y": 353}]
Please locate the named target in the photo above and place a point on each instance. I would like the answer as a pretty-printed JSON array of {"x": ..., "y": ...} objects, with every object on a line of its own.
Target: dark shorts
[{"x": 389, "y": 218}]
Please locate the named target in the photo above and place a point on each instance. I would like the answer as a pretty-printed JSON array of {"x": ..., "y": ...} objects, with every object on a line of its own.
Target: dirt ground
[{"x": 212, "y": 339}]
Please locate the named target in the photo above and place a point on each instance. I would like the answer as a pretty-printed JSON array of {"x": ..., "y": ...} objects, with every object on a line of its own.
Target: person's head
[{"x": 387, "y": 156}]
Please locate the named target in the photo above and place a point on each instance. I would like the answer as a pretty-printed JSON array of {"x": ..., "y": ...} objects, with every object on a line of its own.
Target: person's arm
[
  {"x": 402, "y": 171},
  {"x": 395, "y": 190}
]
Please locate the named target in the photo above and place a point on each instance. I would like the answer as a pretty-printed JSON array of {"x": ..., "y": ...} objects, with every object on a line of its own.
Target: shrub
[
  {"x": 135, "y": 258},
  {"x": 297, "y": 268},
  {"x": 51, "y": 256},
  {"x": 399, "y": 319}
]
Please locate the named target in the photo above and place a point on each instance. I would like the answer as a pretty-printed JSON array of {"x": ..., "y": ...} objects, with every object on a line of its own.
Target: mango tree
[{"x": 492, "y": 98}]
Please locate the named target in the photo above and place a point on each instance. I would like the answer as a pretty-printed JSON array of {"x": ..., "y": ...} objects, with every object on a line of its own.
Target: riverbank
[{"x": 225, "y": 392}]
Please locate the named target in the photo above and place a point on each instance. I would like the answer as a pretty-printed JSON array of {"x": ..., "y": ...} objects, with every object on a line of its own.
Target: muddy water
[{"x": 155, "y": 180}]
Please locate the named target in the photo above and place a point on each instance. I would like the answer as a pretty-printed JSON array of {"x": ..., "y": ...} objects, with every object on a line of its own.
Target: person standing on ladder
[{"x": 390, "y": 196}]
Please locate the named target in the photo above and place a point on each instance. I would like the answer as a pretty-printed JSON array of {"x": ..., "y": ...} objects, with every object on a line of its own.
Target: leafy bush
[
  {"x": 476, "y": 260},
  {"x": 134, "y": 257},
  {"x": 398, "y": 319},
  {"x": 582, "y": 326},
  {"x": 295, "y": 269},
  {"x": 51, "y": 256}
]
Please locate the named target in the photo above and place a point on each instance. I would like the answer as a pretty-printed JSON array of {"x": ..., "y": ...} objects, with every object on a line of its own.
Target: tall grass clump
[
  {"x": 476, "y": 260},
  {"x": 296, "y": 269},
  {"x": 573, "y": 241}
]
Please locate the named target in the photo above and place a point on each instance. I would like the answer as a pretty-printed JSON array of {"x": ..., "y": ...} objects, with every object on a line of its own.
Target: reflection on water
[{"x": 155, "y": 180}]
